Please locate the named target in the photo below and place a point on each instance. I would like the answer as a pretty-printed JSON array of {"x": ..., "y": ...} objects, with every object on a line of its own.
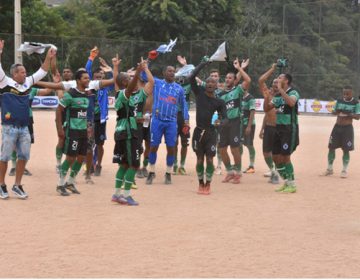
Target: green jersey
[
  {"x": 286, "y": 115},
  {"x": 137, "y": 101},
  {"x": 126, "y": 127},
  {"x": 76, "y": 103},
  {"x": 347, "y": 107},
  {"x": 187, "y": 91},
  {"x": 233, "y": 99},
  {"x": 248, "y": 104},
  {"x": 32, "y": 94}
]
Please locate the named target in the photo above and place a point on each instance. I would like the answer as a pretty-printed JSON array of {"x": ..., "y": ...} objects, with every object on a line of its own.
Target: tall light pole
[{"x": 17, "y": 31}]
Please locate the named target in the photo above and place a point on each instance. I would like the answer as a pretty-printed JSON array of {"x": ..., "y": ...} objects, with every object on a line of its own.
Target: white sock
[
  {"x": 126, "y": 193},
  {"x": 168, "y": 169},
  {"x": 152, "y": 168},
  {"x": 117, "y": 191}
]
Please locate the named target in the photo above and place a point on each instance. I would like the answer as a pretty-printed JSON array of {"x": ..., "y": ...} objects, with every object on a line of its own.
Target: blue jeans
[{"x": 15, "y": 139}]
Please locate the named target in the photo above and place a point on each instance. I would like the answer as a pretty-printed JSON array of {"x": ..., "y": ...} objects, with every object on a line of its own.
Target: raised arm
[
  {"x": 93, "y": 54},
  {"x": 55, "y": 86},
  {"x": 133, "y": 83},
  {"x": 264, "y": 77},
  {"x": 116, "y": 62},
  {"x": 192, "y": 77},
  {"x": 3, "y": 77},
  {"x": 242, "y": 74},
  {"x": 149, "y": 86}
]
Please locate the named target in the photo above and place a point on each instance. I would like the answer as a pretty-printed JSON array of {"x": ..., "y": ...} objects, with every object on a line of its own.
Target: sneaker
[
  {"x": 88, "y": 180},
  {"x": 62, "y": 191},
  {"x": 167, "y": 179},
  {"x": 289, "y": 189},
  {"x": 71, "y": 187},
  {"x": 134, "y": 186},
  {"x": 27, "y": 172},
  {"x": 250, "y": 170},
  {"x": 281, "y": 188},
  {"x": 3, "y": 192},
  {"x": 139, "y": 174},
  {"x": 19, "y": 192},
  {"x": 218, "y": 170},
  {"x": 343, "y": 174},
  {"x": 175, "y": 170},
  {"x": 328, "y": 172},
  {"x": 145, "y": 172},
  {"x": 12, "y": 172},
  {"x": 228, "y": 177},
  {"x": 274, "y": 179},
  {"x": 97, "y": 171},
  {"x": 201, "y": 188},
  {"x": 207, "y": 188},
  {"x": 130, "y": 201},
  {"x": 268, "y": 174},
  {"x": 236, "y": 179},
  {"x": 118, "y": 199},
  {"x": 150, "y": 178},
  {"x": 181, "y": 171}
]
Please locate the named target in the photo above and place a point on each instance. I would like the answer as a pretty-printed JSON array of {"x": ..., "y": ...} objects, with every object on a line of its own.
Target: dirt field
[{"x": 244, "y": 230}]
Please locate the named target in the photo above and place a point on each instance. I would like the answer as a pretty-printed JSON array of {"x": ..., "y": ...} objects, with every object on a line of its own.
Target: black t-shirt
[{"x": 206, "y": 106}]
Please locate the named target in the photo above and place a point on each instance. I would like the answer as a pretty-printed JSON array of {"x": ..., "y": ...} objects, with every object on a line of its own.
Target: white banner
[
  {"x": 305, "y": 105},
  {"x": 318, "y": 106}
]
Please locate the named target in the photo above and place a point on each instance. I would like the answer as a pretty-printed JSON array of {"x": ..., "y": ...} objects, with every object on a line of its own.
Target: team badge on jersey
[{"x": 285, "y": 146}]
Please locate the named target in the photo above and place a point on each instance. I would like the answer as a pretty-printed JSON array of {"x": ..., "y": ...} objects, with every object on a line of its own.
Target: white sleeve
[
  {"x": 37, "y": 76},
  {"x": 94, "y": 84},
  {"x": 3, "y": 78},
  {"x": 68, "y": 85}
]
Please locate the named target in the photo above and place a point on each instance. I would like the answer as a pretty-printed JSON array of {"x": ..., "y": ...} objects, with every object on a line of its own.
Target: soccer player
[
  {"x": 184, "y": 138},
  {"x": 76, "y": 103},
  {"x": 127, "y": 145},
  {"x": 269, "y": 124},
  {"x": 204, "y": 138},
  {"x": 346, "y": 109},
  {"x": 230, "y": 133},
  {"x": 167, "y": 95},
  {"x": 287, "y": 130},
  {"x": 248, "y": 128},
  {"x": 15, "y": 118}
]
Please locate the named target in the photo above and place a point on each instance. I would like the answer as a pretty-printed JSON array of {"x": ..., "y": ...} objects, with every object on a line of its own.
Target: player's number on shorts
[{"x": 74, "y": 145}]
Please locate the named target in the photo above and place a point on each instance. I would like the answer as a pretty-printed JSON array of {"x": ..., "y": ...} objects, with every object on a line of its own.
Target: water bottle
[{"x": 146, "y": 119}]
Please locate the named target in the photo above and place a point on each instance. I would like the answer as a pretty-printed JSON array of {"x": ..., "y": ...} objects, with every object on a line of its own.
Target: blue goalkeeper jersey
[{"x": 167, "y": 97}]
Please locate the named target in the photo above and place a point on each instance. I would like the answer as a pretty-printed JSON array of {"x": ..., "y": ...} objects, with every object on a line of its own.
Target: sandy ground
[{"x": 244, "y": 230}]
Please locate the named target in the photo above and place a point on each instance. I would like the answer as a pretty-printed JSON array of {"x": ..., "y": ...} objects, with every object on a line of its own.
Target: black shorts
[
  {"x": 230, "y": 134},
  {"x": 100, "y": 133},
  {"x": 143, "y": 135},
  {"x": 127, "y": 152},
  {"x": 248, "y": 140},
  {"x": 268, "y": 140},
  {"x": 342, "y": 136},
  {"x": 286, "y": 139},
  {"x": 75, "y": 146},
  {"x": 31, "y": 130},
  {"x": 204, "y": 142},
  {"x": 184, "y": 138}
]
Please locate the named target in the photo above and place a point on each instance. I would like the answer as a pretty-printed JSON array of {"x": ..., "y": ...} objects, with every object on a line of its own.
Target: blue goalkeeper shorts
[{"x": 159, "y": 128}]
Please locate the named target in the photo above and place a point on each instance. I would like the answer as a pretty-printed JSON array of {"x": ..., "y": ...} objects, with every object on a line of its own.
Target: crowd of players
[{"x": 148, "y": 109}]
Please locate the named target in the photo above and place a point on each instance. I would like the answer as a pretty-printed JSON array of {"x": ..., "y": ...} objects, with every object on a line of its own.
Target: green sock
[
  {"x": 175, "y": 163},
  {"x": 209, "y": 171},
  {"x": 146, "y": 161},
  {"x": 269, "y": 162},
  {"x": 280, "y": 167},
  {"x": 219, "y": 159},
  {"x": 182, "y": 161},
  {"x": 59, "y": 153},
  {"x": 129, "y": 179},
  {"x": 64, "y": 168},
  {"x": 252, "y": 155},
  {"x": 120, "y": 176},
  {"x": 13, "y": 159},
  {"x": 200, "y": 172},
  {"x": 228, "y": 168},
  {"x": 289, "y": 169},
  {"x": 346, "y": 160},
  {"x": 331, "y": 158},
  {"x": 75, "y": 169},
  {"x": 237, "y": 168}
]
